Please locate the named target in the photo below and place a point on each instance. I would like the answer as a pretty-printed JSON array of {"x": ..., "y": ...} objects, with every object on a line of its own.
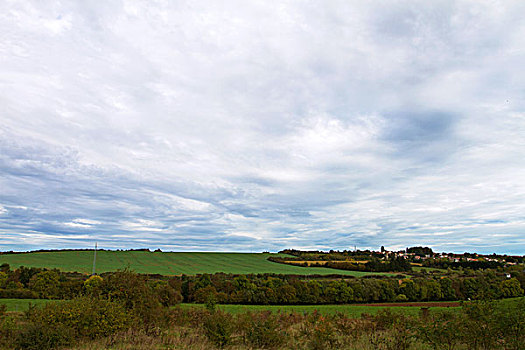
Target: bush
[
  {"x": 261, "y": 330},
  {"x": 9, "y": 329},
  {"x": 82, "y": 317},
  {"x": 45, "y": 283},
  {"x": 401, "y": 298},
  {"x": 17, "y": 294},
  {"x": 441, "y": 331},
  {"x": 92, "y": 285},
  {"x": 511, "y": 324},
  {"x": 218, "y": 328},
  {"x": 133, "y": 291},
  {"x": 167, "y": 295},
  {"x": 319, "y": 332},
  {"x": 38, "y": 336},
  {"x": 479, "y": 325}
]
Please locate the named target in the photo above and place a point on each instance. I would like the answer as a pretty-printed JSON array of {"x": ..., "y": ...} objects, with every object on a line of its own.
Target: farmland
[
  {"x": 352, "y": 310},
  {"x": 22, "y": 304},
  {"x": 209, "y": 311},
  {"x": 165, "y": 263}
]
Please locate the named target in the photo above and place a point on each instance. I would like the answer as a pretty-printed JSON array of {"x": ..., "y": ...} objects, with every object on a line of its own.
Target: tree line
[
  {"x": 394, "y": 264},
  {"x": 271, "y": 289}
]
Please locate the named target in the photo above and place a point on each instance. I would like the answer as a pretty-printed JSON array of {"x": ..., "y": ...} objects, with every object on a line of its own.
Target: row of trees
[
  {"x": 275, "y": 289},
  {"x": 394, "y": 264},
  {"x": 474, "y": 265},
  {"x": 263, "y": 289}
]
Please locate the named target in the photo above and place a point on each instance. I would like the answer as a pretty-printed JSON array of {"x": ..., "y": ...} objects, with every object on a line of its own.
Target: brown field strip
[{"x": 323, "y": 262}]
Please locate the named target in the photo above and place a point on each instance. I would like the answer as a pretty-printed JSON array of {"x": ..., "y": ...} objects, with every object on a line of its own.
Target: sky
[{"x": 258, "y": 126}]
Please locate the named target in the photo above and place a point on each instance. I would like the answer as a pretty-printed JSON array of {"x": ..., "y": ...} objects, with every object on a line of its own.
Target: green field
[
  {"x": 22, "y": 304},
  {"x": 165, "y": 263},
  {"x": 428, "y": 269},
  {"x": 351, "y": 310}
]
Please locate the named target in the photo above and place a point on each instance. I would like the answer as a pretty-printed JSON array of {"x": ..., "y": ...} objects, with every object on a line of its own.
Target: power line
[{"x": 94, "y": 259}]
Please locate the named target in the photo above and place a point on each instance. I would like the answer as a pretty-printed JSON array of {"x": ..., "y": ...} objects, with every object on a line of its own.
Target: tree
[
  {"x": 511, "y": 288},
  {"x": 45, "y": 283},
  {"x": 5, "y": 267},
  {"x": 446, "y": 288},
  {"x": 92, "y": 285},
  {"x": 3, "y": 279},
  {"x": 408, "y": 289}
]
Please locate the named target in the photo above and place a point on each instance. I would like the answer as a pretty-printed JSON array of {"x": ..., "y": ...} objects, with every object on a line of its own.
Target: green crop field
[{"x": 165, "y": 263}]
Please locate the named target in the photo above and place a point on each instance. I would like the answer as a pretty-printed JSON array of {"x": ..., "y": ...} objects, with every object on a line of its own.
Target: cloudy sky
[{"x": 259, "y": 125}]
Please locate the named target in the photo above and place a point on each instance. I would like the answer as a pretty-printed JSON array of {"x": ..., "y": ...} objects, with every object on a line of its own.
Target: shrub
[
  {"x": 3, "y": 279},
  {"x": 441, "y": 330},
  {"x": 167, "y": 295},
  {"x": 401, "y": 298},
  {"x": 202, "y": 295},
  {"x": 261, "y": 330},
  {"x": 38, "y": 336},
  {"x": 479, "y": 327},
  {"x": 45, "y": 283},
  {"x": 510, "y": 323},
  {"x": 83, "y": 317},
  {"x": 9, "y": 330},
  {"x": 319, "y": 332},
  {"x": 135, "y": 294},
  {"x": 17, "y": 294},
  {"x": 93, "y": 284},
  {"x": 218, "y": 328}
]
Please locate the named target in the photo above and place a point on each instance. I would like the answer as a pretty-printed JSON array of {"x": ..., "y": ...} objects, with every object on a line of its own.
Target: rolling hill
[{"x": 164, "y": 263}]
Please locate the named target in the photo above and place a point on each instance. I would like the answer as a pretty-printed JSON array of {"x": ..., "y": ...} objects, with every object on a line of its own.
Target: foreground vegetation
[
  {"x": 162, "y": 263},
  {"x": 136, "y": 321}
]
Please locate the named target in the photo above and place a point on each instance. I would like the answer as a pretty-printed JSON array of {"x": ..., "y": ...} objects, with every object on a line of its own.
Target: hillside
[{"x": 164, "y": 263}]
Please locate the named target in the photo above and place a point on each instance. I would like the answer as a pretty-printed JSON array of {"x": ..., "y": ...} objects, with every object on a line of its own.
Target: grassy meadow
[
  {"x": 165, "y": 263},
  {"x": 354, "y": 310},
  {"x": 351, "y": 310},
  {"x": 22, "y": 304}
]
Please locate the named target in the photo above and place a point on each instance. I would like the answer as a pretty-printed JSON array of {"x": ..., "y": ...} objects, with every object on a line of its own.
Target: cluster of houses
[{"x": 445, "y": 256}]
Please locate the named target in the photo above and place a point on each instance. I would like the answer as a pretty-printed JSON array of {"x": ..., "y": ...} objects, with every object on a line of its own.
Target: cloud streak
[{"x": 242, "y": 126}]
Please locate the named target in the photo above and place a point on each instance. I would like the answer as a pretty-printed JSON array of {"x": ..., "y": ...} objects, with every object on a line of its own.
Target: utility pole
[{"x": 94, "y": 259}]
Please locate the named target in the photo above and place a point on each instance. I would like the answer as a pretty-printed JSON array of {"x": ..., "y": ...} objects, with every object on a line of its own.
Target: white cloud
[{"x": 258, "y": 127}]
